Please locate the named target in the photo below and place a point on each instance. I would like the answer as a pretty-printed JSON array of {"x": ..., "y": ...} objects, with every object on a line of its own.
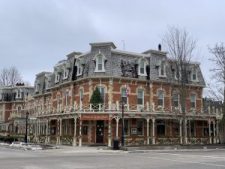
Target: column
[
  {"x": 217, "y": 132},
  {"x": 181, "y": 139},
  {"x": 109, "y": 134},
  {"x": 210, "y": 138},
  {"x": 117, "y": 127},
  {"x": 46, "y": 133},
  {"x": 185, "y": 131},
  {"x": 59, "y": 131},
  {"x": 153, "y": 130},
  {"x": 35, "y": 129},
  {"x": 39, "y": 131},
  {"x": 75, "y": 132},
  {"x": 80, "y": 134},
  {"x": 214, "y": 131},
  {"x": 147, "y": 131}
]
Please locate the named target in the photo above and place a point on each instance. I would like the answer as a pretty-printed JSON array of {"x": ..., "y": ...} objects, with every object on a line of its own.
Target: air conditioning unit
[{"x": 140, "y": 108}]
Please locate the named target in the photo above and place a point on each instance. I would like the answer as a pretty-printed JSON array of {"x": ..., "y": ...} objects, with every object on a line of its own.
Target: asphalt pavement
[{"x": 100, "y": 158}]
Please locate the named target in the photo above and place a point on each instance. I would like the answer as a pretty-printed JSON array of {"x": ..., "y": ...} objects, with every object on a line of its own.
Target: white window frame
[
  {"x": 162, "y": 66},
  {"x": 66, "y": 98},
  {"x": 102, "y": 63},
  {"x": 143, "y": 94},
  {"x": 163, "y": 94},
  {"x": 81, "y": 95},
  {"x": 57, "y": 77},
  {"x": 194, "y": 72},
  {"x": 65, "y": 73},
  {"x": 195, "y": 98},
  {"x": 178, "y": 99},
  {"x": 79, "y": 67},
  {"x": 123, "y": 94},
  {"x": 142, "y": 64}
]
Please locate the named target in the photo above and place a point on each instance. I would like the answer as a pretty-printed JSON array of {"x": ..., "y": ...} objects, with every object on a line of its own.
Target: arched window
[
  {"x": 102, "y": 92},
  {"x": 100, "y": 63}
]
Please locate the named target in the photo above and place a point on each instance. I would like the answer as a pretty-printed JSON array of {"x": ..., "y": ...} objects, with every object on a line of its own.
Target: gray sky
[{"x": 36, "y": 34}]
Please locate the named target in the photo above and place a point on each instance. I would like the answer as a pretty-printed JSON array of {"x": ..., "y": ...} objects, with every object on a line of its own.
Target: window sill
[
  {"x": 142, "y": 74},
  {"x": 162, "y": 76},
  {"x": 99, "y": 71}
]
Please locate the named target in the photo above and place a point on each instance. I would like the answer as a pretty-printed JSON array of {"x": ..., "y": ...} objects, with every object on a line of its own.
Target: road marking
[{"x": 183, "y": 161}]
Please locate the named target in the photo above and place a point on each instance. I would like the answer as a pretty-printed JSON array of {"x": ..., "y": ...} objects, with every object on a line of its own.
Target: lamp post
[
  {"x": 122, "y": 138},
  {"x": 25, "y": 139}
]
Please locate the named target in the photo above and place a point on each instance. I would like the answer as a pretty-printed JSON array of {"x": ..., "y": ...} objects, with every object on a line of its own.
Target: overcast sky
[{"x": 36, "y": 34}]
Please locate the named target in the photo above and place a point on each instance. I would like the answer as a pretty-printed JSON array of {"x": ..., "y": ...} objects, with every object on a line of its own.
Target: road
[{"x": 72, "y": 159}]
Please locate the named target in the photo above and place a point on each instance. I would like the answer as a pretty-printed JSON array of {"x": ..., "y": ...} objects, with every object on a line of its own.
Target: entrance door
[{"x": 99, "y": 131}]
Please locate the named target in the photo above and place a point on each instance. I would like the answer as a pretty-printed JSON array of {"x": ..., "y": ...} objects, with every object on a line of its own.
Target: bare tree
[
  {"x": 10, "y": 76},
  {"x": 218, "y": 52},
  {"x": 180, "y": 46}
]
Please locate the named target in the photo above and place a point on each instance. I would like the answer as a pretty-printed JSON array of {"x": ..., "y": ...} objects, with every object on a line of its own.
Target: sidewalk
[{"x": 176, "y": 147}]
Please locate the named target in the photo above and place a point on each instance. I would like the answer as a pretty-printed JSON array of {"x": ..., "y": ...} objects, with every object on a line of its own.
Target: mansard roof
[{"x": 118, "y": 63}]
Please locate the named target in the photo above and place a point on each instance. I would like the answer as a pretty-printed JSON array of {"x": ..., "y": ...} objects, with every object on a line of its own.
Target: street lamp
[
  {"x": 122, "y": 138},
  {"x": 25, "y": 139}
]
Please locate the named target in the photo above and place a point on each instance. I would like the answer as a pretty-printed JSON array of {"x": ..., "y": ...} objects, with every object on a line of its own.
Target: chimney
[{"x": 159, "y": 47}]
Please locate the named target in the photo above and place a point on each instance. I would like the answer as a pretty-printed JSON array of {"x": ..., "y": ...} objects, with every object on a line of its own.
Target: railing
[{"x": 116, "y": 107}]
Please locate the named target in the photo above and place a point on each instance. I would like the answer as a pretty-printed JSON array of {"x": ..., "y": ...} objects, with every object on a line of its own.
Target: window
[
  {"x": 141, "y": 67},
  {"x": 79, "y": 68},
  {"x": 57, "y": 77},
  {"x": 58, "y": 103},
  {"x": 81, "y": 95},
  {"x": 65, "y": 73},
  {"x": 66, "y": 98},
  {"x": 140, "y": 125},
  {"x": 194, "y": 75},
  {"x": 124, "y": 95},
  {"x": 102, "y": 92},
  {"x": 162, "y": 71},
  {"x": 18, "y": 93},
  {"x": 175, "y": 100},
  {"x": 140, "y": 97},
  {"x": 160, "y": 98},
  {"x": 100, "y": 66},
  {"x": 37, "y": 86},
  {"x": 193, "y": 100}
]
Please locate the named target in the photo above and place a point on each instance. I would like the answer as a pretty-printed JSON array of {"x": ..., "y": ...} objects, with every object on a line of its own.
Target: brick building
[
  {"x": 145, "y": 82},
  {"x": 13, "y": 109}
]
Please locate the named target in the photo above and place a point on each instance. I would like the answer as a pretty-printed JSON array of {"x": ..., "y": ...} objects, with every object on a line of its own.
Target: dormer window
[
  {"x": 162, "y": 69},
  {"x": 100, "y": 63},
  {"x": 37, "y": 86},
  {"x": 142, "y": 67},
  {"x": 194, "y": 75},
  {"x": 65, "y": 73},
  {"x": 79, "y": 68},
  {"x": 57, "y": 77}
]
